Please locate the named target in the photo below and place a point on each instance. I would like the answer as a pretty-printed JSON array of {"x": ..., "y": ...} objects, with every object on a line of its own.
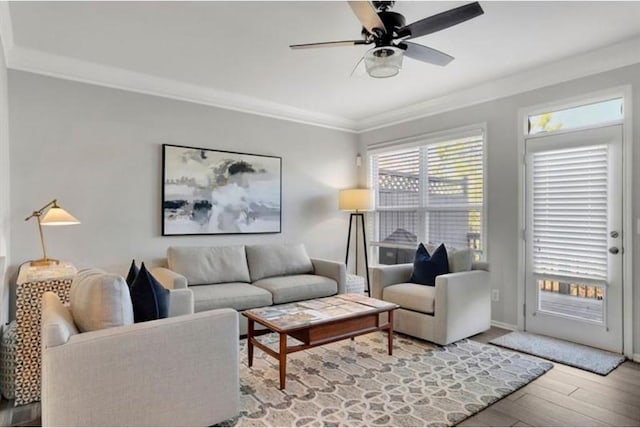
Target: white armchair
[
  {"x": 457, "y": 307},
  {"x": 177, "y": 371}
]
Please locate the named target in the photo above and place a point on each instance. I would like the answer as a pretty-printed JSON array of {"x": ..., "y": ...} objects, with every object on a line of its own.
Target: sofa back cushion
[
  {"x": 100, "y": 300},
  {"x": 276, "y": 260},
  {"x": 209, "y": 265},
  {"x": 459, "y": 260}
]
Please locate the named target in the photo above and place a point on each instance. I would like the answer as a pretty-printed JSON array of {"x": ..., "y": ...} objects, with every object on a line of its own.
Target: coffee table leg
[
  {"x": 390, "y": 333},
  {"x": 283, "y": 359},
  {"x": 250, "y": 333}
]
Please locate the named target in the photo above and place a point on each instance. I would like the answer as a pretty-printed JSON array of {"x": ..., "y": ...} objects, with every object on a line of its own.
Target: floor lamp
[{"x": 356, "y": 201}]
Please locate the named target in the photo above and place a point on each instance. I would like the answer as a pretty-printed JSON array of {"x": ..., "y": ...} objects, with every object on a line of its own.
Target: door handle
[{"x": 614, "y": 250}]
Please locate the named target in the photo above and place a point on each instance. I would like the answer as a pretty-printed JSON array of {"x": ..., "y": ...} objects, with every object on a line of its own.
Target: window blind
[
  {"x": 569, "y": 200},
  {"x": 431, "y": 193}
]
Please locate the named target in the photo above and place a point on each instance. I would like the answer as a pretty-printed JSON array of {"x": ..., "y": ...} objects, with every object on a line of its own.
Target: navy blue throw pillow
[
  {"x": 149, "y": 298},
  {"x": 426, "y": 267},
  {"x": 133, "y": 272}
]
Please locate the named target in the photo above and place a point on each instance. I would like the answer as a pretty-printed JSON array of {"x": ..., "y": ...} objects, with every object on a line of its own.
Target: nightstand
[{"x": 31, "y": 285}]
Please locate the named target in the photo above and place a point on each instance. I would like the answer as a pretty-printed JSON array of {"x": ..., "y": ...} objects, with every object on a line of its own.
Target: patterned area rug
[
  {"x": 561, "y": 351},
  {"x": 357, "y": 384}
]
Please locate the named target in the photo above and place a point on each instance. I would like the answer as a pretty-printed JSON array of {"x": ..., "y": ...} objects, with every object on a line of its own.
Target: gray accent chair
[
  {"x": 244, "y": 277},
  {"x": 457, "y": 307},
  {"x": 178, "y": 371}
]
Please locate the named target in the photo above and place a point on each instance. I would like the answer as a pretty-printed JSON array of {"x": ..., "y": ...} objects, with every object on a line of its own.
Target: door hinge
[{"x": 524, "y": 235}]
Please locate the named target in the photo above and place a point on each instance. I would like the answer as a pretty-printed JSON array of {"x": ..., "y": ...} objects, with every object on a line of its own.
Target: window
[
  {"x": 576, "y": 117},
  {"x": 431, "y": 193}
]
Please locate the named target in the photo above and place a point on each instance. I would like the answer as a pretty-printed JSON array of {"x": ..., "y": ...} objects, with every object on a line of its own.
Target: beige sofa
[
  {"x": 250, "y": 276},
  {"x": 178, "y": 371},
  {"x": 457, "y": 307}
]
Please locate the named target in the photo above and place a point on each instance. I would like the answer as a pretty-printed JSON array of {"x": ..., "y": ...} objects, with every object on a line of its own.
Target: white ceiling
[{"x": 240, "y": 49}]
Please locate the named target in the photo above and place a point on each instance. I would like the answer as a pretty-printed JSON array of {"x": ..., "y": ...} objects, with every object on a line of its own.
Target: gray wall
[
  {"x": 4, "y": 190},
  {"x": 503, "y": 193},
  {"x": 98, "y": 150}
]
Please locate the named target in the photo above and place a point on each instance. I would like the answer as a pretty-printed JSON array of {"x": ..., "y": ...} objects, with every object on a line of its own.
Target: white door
[{"x": 574, "y": 236}]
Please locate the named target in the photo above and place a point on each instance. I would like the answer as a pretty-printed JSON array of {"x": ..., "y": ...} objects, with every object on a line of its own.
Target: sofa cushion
[
  {"x": 411, "y": 296},
  {"x": 209, "y": 265},
  {"x": 236, "y": 295},
  {"x": 293, "y": 288},
  {"x": 426, "y": 267},
  {"x": 99, "y": 300},
  {"x": 276, "y": 260},
  {"x": 149, "y": 298}
]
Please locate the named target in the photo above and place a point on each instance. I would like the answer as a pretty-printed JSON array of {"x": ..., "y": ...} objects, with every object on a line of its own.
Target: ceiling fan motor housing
[{"x": 392, "y": 21}]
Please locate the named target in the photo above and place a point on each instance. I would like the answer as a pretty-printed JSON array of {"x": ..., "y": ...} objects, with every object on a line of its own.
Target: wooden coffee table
[{"x": 317, "y": 322}]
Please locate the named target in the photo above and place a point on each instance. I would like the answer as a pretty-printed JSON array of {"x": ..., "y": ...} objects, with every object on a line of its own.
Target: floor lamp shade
[{"x": 355, "y": 200}]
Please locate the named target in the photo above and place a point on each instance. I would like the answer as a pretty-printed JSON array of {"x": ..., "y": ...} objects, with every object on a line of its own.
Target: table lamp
[
  {"x": 55, "y": 216},
  {"x": 357, "y": 201}
]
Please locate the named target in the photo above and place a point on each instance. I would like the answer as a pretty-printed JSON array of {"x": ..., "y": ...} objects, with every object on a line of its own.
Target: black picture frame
[{"x": 188, "y": 216}]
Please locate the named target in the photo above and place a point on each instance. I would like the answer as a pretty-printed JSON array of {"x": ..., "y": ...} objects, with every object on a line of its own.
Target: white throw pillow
[{"x": 100, "y": 300}]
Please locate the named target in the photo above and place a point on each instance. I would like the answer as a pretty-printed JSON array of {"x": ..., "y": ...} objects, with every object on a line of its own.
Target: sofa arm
[
  {"x": 180, "y": 302},
  {"x": 332, "y": 269},
  {"x": 123, "y": 376},
  {"x": 168, "y": 278},
  {"x": 385, "y": 275},
  {"x": 462, "y": 305}
]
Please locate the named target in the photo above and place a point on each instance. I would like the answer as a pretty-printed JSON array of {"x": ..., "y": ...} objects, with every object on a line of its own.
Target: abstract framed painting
[{"x": 216, "y": 192}]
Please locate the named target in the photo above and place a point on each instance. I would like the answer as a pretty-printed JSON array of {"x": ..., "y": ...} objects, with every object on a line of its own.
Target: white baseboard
[
  {"x": 636, "y": 358},
  {"x": 504, "y": 325}
]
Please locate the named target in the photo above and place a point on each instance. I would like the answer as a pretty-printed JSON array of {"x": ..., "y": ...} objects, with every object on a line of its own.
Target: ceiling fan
[{"x": 387, "y": 30}]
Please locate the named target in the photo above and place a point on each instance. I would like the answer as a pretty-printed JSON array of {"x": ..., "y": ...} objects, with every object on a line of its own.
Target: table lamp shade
[
  {"x": 356, "y": 200},
  {"x": 56, "y": 216}
]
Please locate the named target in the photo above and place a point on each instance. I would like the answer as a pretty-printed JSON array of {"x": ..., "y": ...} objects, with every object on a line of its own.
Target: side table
[{"x": 32, "y": 283}]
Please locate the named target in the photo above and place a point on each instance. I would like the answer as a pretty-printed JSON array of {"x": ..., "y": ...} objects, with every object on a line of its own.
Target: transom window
[
  {"x": 431, "y": 193},
  {"x": 597, "y": 113}
]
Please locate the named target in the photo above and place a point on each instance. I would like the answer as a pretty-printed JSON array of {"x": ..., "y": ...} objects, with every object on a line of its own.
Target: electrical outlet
[{"x": 495, "y": 295}]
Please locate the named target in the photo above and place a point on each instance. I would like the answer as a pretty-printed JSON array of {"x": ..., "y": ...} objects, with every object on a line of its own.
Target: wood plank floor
[{"x": 564, "y": 396}]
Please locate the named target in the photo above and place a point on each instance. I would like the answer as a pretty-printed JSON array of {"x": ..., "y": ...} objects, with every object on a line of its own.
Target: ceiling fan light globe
[{"x": 383, "y": 61}]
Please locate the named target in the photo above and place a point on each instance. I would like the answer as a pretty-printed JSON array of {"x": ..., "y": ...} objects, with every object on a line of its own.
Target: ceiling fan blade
[
  {"x": 328, "y": 44},
  {"x": 366, "y": 13},
  {"x": 425, "y": 53},
  {"x": 440, "y": 21}
]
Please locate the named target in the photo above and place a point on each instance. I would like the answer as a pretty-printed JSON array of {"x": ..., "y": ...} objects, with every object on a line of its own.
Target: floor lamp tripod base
[{"x": 355, "y": 216}]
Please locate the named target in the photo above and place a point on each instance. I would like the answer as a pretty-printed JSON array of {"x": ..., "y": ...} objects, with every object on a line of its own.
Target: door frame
[{"x": 625, "y": 92}]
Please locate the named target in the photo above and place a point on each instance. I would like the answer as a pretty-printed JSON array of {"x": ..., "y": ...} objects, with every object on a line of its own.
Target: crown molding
[
  {"x": 62, "y": 67},
  {"x": 597, "y": 61}
]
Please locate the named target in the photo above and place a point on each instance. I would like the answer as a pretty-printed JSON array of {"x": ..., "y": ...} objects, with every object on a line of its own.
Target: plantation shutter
[
  {"x": 569, "y": 200},
  {"x": 398, "y": 195},
  {"x": 455, "y": 192}
]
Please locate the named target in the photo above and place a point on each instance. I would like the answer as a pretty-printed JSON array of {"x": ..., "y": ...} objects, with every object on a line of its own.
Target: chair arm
[
  {"x": 123, "y": 376},
  {"x": 462, "y": 304},
  {"x": 332, "y": 269},
  {"x": 168, "y": 278},
  {"x": 385, "y": 275},
  {"x": 180, "y": 302}
]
